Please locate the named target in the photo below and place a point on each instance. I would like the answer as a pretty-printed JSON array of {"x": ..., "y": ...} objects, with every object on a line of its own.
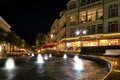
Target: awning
[{"x": 49, "y": 45}]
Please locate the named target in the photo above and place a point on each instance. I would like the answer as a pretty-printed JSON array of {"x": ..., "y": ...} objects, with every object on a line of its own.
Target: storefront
[{"x": 73, "y": 44}]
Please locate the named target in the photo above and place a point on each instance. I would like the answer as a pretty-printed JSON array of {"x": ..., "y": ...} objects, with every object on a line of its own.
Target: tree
[
  {"x": 3, "y": 35},
  {"x": 39, "y": 40}
]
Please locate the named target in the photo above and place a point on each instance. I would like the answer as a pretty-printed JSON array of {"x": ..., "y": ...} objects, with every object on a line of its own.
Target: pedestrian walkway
[{"x": 115, "y": 73}]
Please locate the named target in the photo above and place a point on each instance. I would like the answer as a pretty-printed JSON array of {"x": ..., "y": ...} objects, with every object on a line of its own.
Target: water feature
[
  {"x": 78, "y": 64},
  {"x": 76, "y": 58},
  {"x": 32, "y": 55},
  {"x": 10, "y": 64},
  {"x": 40, "y": 59},
  {"x": 45, "y": 57},
  {"x": 65, "y": 56},
  {"x": 70, "y": 68},
  {"x": 50, "y": 55},
  {"x": 9, "y": 69}
]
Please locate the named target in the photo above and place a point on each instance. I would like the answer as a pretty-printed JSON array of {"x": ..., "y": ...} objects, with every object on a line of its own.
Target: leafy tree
[
  {"x": 3, "y": 35},
  {"x": 39, "y": 40}
]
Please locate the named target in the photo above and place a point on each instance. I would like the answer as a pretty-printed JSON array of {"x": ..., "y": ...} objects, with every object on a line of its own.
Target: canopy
[{"x": 48, "y": 45}]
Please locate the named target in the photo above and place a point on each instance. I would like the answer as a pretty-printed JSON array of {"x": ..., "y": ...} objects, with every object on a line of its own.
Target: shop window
[
  {"x": 103, "y": 42},
  {"x": 113, "y": 42}
]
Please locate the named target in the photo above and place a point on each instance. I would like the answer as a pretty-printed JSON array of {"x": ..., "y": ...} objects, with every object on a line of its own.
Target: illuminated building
[
  {"x": 5, "y": 27},
  {"x": 100, "y": 18}
]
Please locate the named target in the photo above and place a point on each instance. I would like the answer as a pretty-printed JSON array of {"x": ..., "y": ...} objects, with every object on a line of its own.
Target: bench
[{"x": 112, "y": 52}]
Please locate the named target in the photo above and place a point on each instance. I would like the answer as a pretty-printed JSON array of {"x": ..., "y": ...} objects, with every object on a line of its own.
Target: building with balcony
[
  {"x": 100, "y": 18},
  {"x": 5, "y": 27},
  {"x": 62, "y": 30}
]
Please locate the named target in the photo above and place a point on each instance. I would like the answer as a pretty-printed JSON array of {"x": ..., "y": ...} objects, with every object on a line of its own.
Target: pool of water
[{"x": 55, "y": 68}]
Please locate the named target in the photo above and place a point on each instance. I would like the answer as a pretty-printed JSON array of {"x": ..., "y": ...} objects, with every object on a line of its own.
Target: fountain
[
  {"x": 45, "y": 57},
  {"x": 9, "y": 64},
  {"x": 50, "y": 55},
  {"x": 32, "y": 55},
  {"x": 40, "y": 59},
  {"x": 78, "y": 64},
  {"x": 65, "y": 56},
  {"x": 76, "y": 58},
  {"x": 69, "y": 68}
]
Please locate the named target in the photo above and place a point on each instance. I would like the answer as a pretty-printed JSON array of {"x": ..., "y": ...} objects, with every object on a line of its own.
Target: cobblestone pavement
[{"x": 115, "y": 73}]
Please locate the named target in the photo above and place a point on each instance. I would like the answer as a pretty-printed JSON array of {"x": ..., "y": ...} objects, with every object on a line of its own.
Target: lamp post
[{"x": 81, "y": 33}]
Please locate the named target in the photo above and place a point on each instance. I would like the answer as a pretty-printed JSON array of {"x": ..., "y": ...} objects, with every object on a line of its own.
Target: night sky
[{"x": 29, "y": 17}]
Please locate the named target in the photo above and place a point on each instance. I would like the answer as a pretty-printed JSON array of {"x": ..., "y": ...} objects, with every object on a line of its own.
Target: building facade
[
  {"x": 100, "y": 18},
  {"x": 62, "y": 31},
  {"x": 5, "y": 27}
]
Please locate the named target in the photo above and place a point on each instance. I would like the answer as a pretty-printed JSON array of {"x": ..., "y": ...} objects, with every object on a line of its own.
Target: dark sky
[{"x": 29, "y": 17}]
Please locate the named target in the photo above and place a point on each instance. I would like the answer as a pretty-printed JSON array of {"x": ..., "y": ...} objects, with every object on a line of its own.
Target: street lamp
[{"x": 81, "y": 33}]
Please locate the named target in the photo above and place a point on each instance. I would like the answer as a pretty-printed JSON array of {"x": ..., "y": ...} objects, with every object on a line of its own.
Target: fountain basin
[{"x": 56, "y": 68}]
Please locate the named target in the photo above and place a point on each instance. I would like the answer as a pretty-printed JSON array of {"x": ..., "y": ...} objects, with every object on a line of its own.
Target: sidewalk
[{"x": 115, "y": 74}]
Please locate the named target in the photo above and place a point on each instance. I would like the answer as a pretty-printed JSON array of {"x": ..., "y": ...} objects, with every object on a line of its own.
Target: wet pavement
[{"x": 115, "y": 73}]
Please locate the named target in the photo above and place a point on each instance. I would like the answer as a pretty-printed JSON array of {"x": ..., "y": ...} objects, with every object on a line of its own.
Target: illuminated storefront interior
[{"x": 73, "y": 44}]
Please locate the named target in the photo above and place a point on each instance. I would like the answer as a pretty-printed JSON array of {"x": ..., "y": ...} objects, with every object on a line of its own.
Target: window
[
  {"x": 72, "y": 5},
  {"x": 72, "y": 32},
  {"x": 100, "y": 28},
  {"x": 72, "y": 20},
  {"x": 88, "y": 30},
  {"x": 91, "y": 15},
  {"x": 113, "y": 11},
  {"x": 83, "y": 17},
  {"x": 113, "y": 26},
  {"x": 93, "y": 29},
  {"x": 100, "y": 13},
  {"x": 85, "y": 2}
]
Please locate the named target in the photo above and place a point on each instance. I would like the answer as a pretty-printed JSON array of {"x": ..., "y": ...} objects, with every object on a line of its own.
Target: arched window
[
  {"x": 113, "y": 11},
  {"x": 72, "y": 5}
]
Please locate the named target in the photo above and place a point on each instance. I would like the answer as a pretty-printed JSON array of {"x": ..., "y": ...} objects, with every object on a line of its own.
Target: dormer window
[{"x": 72, "y": 5}]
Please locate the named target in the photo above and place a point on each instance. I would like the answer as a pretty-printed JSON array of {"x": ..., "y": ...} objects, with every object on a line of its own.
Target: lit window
[
  {"x": 72, "y": 20},
  {"x": 83, "y": 17},
  {"x": 100, "y": 13},
  {"x": 91, "y": 15},
  {"x": 113, "y": 42}
]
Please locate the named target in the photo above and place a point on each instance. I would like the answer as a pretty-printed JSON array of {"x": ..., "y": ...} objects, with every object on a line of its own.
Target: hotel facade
[{"x": 99, "y": 18}]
